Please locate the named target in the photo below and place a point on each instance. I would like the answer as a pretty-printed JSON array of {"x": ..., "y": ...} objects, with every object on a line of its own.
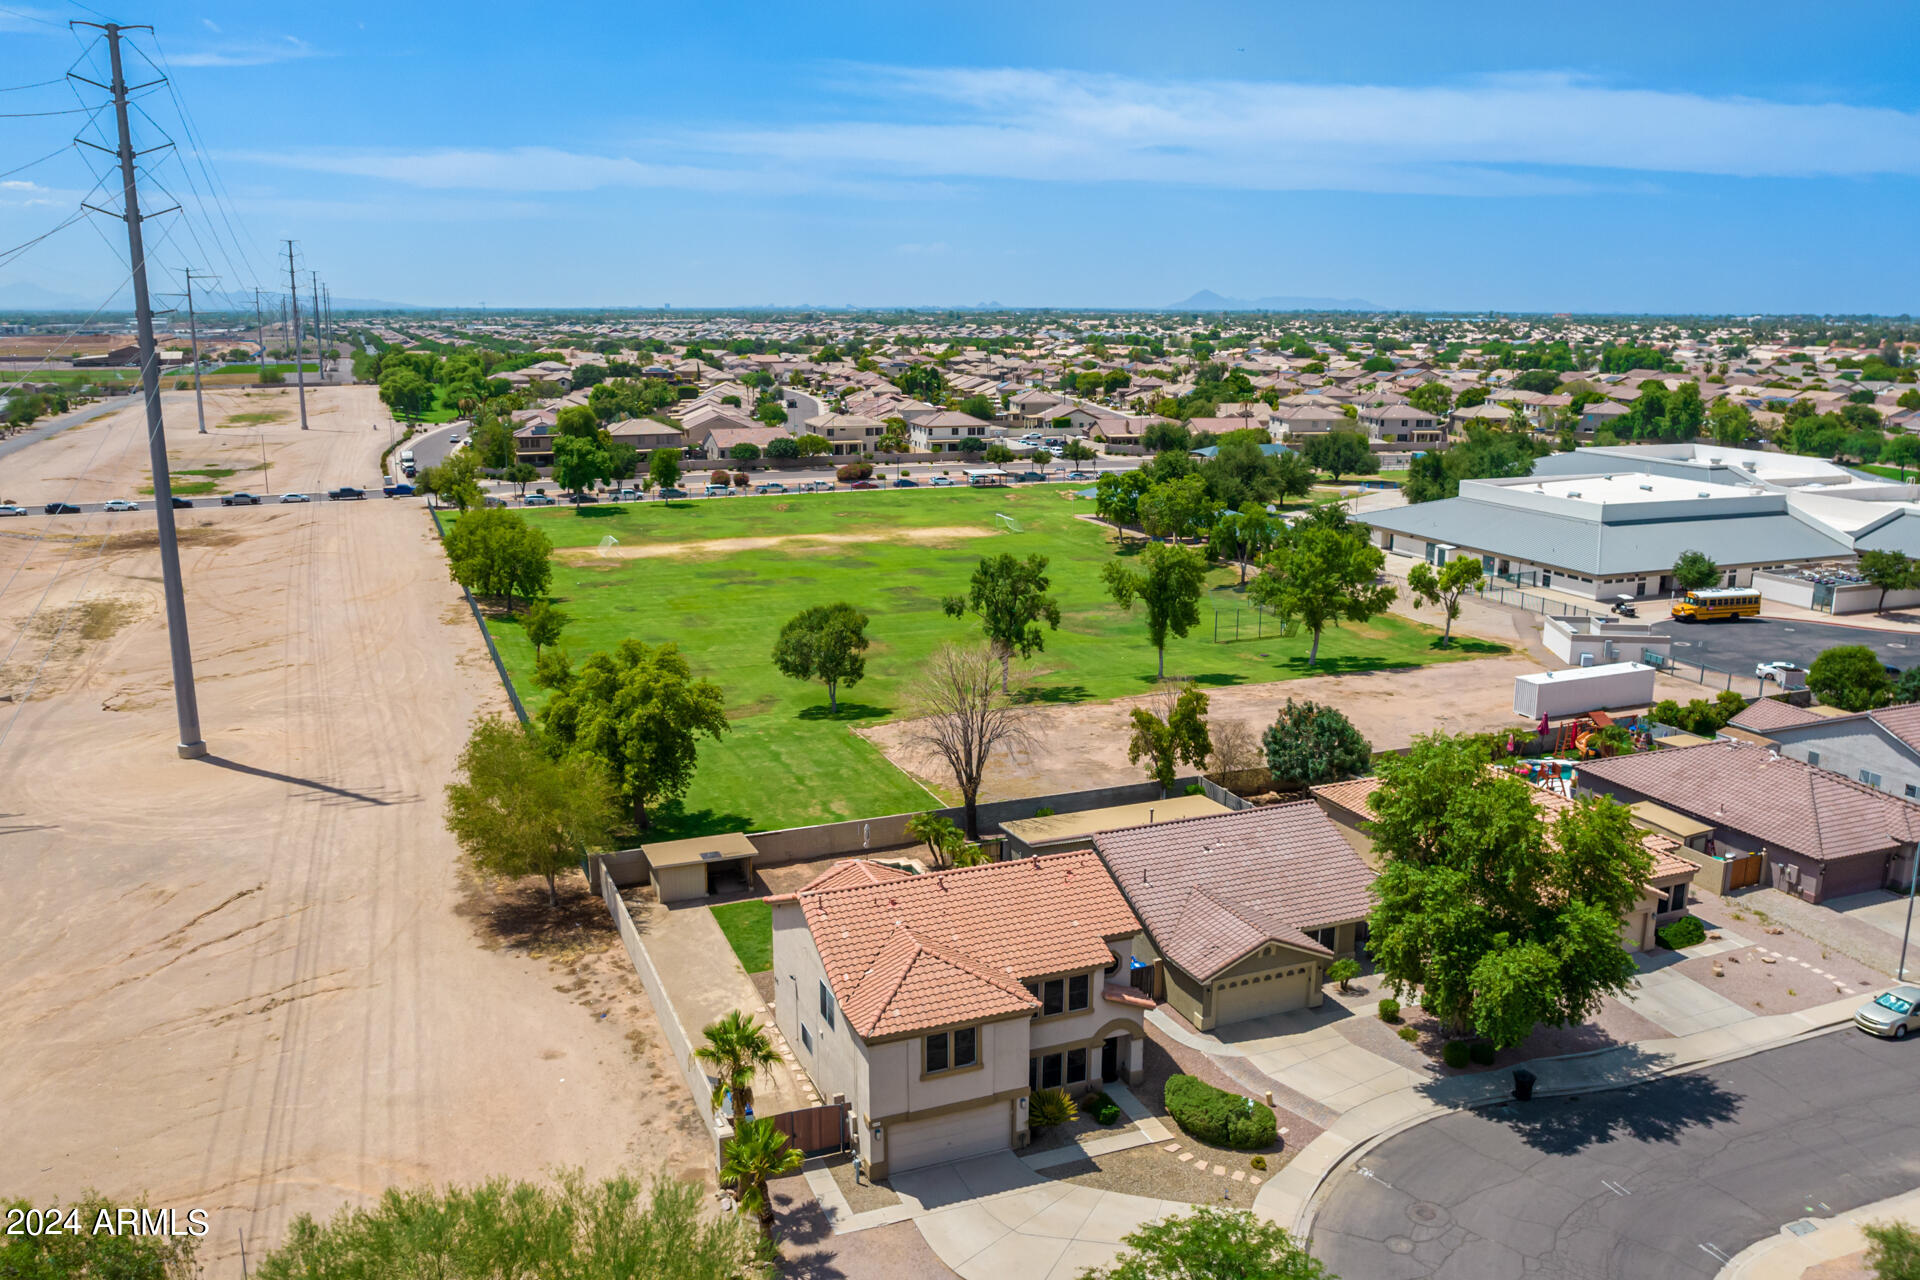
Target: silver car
[{"x": 1892, "y": 1014}]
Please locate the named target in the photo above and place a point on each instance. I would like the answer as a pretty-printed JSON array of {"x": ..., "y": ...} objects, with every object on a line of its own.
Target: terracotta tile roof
[
  {"x": 1903, "y": 722},
  {"x": 1212, "y": 889},
  {"x": 1786, "y": 803},
  {"x": 1770, "y": 713},
  {"x": 918, "y": 952},
  {"x": 1350, "y": 795},
  {"x": 1116, "y": 994},
  {"x": 849, "y": 872}
]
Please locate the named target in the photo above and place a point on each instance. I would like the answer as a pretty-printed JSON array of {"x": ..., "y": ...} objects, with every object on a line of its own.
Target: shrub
[
  {"x": 1481, "y": 1051},
  {"x": 1409, "y": 1034},
  {"x": 1455, "y": 1054},
  {"x": 1108, "y": 1114},
  {"x": 1343, "y": 971},
  {"x": 1049, "y": 1107},
  {"x": 1259, "y": 1162},
  {"x": 1687, "y": 931},
  {"x": 851, "y": 471},
  {"x": 1389, "y": 1010},
  {"x": 1221, "y": 1118}
]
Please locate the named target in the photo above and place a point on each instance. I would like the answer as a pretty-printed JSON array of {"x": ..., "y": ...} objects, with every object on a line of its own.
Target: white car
[
  {"x": 293, "y": 497},
  {"x": 119, "y": 504},
  {"x": 1892, "y": 1014},
  {"x": 9, "y": 509},
  {"x": 1789, "y": 674},
  {"x": 453, "y": 440}
]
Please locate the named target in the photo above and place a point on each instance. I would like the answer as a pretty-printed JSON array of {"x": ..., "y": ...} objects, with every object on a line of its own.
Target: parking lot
[{"x": 1738, "y": 645}]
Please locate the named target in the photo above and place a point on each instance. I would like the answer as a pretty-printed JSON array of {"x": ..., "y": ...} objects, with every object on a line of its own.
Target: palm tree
[
  {"x": 754, "y": 1155},
  {"x": 937, "y": 833},
  {"x": 737, "y": 1049}
]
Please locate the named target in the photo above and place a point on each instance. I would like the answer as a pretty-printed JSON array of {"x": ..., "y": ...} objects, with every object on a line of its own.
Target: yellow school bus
[{"x": 1716, "y": 603}]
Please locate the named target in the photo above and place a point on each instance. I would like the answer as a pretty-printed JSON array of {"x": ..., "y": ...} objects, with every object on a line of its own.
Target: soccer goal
[
  {"x": 607, "y": 543},
  {"x": 1013, "y": 526}
]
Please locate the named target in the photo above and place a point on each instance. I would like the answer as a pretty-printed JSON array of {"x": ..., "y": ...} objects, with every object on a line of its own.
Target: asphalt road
[
  {"x": 1663, "y": 1181},
  {"x": 1739, "y": 645},
  {"x": 51, "y": 426}
]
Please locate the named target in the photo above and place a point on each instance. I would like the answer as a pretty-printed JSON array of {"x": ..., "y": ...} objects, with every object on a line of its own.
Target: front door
[{"x": 1110, "y": 1060}]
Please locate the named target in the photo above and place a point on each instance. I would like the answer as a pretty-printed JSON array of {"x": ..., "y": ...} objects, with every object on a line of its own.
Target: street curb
[{"x": 1302, "y": 1228}]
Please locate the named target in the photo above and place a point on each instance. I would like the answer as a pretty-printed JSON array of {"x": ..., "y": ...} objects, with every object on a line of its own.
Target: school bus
[{"x": 1716, "y": 603}]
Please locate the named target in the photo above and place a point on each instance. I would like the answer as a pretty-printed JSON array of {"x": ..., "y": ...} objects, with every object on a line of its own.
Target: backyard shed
[
  {"x": 1578, "y": 690},
  {"x": 700, "y": 867}
]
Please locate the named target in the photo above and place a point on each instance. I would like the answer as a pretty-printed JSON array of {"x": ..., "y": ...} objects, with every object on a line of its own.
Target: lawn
[
  {"x": 786, "y": 761},
  {"x": 749, "y": 930}
]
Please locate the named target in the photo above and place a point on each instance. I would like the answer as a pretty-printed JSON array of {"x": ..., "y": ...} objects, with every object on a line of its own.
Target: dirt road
[{"x": 256, "y": 984}]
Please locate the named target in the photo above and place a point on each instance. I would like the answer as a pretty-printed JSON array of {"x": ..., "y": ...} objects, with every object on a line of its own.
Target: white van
[{"x": 406, "y": 457}]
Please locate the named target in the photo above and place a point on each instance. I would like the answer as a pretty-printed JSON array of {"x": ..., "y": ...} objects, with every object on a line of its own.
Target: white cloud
[
  {"x": 247, "y": 53},
  {"x": 210, "y": 25}
]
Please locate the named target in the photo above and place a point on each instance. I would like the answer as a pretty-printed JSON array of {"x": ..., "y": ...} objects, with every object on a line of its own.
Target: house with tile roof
[
  {"x": 1823, "y": 834},
  {"x": 1243, "y": 910},
  {"x": 935, "y": 1004},
  {"x": 1879, "y": 749}
]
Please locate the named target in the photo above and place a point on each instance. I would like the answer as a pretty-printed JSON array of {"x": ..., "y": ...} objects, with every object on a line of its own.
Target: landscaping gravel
[
  {"x": 1783, "y": 986},
  {"x": 1153, "y": 1171},
  {"x": 862, "y": 1195}
]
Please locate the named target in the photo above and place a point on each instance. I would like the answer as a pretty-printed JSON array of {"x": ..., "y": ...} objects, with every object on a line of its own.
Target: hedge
[
  {"x": 1221, "y": 1118},
  {"x": 1687, "y": 931}
]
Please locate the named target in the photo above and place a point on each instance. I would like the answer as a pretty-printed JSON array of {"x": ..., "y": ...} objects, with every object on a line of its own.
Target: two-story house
[
  {"x": 850, "y": 434},
  {"x": 935, "y": 1004},
  {"x": 1879, "y": 748},
  {"x": 945, "y": 431},
  {"x": 1402, "y": 424}
]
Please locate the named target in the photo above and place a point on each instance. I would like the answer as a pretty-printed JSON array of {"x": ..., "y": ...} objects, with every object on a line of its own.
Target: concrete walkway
[
  {"x": 1305, "y": 1052},
  {"x": 995, "y": 1219},
  {"x": 1813, "y": 1241},
  {"x": 1146, "y": 1128},
  {"x": 1289, "y": 1198}
]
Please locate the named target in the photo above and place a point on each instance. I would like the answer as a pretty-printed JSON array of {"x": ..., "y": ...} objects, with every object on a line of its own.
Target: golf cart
[{"x": 1623, "y": 605}]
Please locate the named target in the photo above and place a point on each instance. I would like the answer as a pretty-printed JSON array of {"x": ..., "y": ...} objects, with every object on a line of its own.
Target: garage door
[
  {"x": 1255, "y": 997},
  {"x": 913, "y": 1144}
]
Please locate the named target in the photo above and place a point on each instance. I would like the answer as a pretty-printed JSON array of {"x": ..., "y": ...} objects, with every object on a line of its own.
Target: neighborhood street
[{"x": 1657, "y": 1182}]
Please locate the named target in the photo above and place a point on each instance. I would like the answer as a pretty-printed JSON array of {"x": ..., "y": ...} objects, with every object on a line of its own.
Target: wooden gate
[
  {"x": 1742, "y": 872},
  {"x": 815, "y": 1129}
]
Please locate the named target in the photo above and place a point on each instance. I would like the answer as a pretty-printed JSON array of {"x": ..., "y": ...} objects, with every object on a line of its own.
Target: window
[
  {"x": 1054, "y": 998},
  {"x": 826, "y": 1006},
  {"x": 1913, "y": 792},
  {"x": 1110, "y": 970},
  {"x": 1050, "y": 1071},
  {"x": 936, "y": 1052},
  {"x": 1869, "y": 777},
  {"x": 1077, "y": 991},
  {"x": 1325, "y": 937},
  {"x": 806, "y": 1038},
  {"x": 1813, "y": 757},
  {"x": 966, "y": 1046},
  {"x": 1676, "y": 898},
  {"x": 1076, "y": 1066}
]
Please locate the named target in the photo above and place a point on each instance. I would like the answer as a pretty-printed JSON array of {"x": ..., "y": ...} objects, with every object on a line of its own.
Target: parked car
[
  {"x": 62, "y": 509},
  {"x": 119, "y": 504},
  {"x": 864, "y": 484},
  {"x": 8, "y": 509},
  {"x": 1789, "y": 674},
  {"x": 1623, "y": 605},
  {"x": 179, "y": 502},
  {"x": 401, "y": 490},
  {"x": 408, "y": 471},
  {"x": 1082, "y": 475},
  {"x": 1028, "y": 477},
  {"x": 293, "y": 497},
  {"x": 490, "y": 501},
  {"x": 771, "y": 486},
  {"x": 1891, "y": 1014},
  {"x": 718, "y": 490},
  {"x": 582, "y": 499},
  {"x": 240, "y": 500},
  {"x": 536, "y": 500},
  {"x": 941, "y": 482},
  {"x": 671, "y": 492},
  {"x": 628, "y": 495},
  {"x": 904, "y": 483},
  {"x": 452, "y": 440},
  {"x": 346, "y": 493}
]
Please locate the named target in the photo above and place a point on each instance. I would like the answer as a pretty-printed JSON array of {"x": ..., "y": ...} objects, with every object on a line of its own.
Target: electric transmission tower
[
  {"x": 193, "y": 330},
  {"x": 299, "y": 363}
]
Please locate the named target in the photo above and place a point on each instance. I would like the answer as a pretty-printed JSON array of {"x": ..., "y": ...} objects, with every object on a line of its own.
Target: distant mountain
[
  {"x": 375, "y": 304},
  {"x": 1208, "y": 300},
  {"x": 24, "y": 295}
]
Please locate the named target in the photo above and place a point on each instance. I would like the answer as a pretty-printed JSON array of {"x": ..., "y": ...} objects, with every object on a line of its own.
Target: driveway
[
  {"x": 1657, "y": 1182},
  {"x": 995, "y": 1219},
  {"x": 1304, "y": 1051}
]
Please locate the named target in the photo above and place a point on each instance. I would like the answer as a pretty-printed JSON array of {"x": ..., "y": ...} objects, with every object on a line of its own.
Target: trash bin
[{"x": 1523, "y": 1084}]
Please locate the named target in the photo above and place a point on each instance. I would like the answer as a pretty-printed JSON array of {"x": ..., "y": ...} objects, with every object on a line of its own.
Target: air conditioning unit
[{"x": 1586, "y": 659}]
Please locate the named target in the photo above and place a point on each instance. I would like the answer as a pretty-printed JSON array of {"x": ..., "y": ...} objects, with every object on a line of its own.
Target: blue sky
[{"x": 1673, "y": 157}]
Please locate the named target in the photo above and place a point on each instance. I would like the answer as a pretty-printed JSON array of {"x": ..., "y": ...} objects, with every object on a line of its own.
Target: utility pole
[
  {"x": 299, "y": 365},
  {"x": 186, "y": 705},
  {"x": 193, "y": 329},
  {"x": 326, "y": 295},
  {"x": 260, "y": 333},
  {"x": 319, "y": 344}
]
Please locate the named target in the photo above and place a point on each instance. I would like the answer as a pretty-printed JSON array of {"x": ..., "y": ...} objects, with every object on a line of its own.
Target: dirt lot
[{"x": 257, "y": 984}]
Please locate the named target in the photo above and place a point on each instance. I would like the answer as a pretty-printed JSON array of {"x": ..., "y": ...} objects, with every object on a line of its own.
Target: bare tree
[
  {"x": 1236, "y": 751},
  {"x": 962, "y": 718}
]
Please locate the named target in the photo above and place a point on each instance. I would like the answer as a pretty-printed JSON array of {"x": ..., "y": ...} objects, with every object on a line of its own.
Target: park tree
[
  {"x": 1076, "y": 450},
  {"x": 1169, "y": 583},
  {"x": 578, "y": 462},
  {"x": 663, "y": 468},
  {"x": 567, "y": 1227},
  {"x": 1116, "y": 497},
  {"x": 1341, "y": 453},
  {"x": 1460, "y": 575},
  {"x": 1009, "y": 596},
  {"x": 456, "y": 480},
  {"x": 517, "y": 811},
  {"x": 1308, "y": 744},
  {"x": 959, "y": 717},
  {"x": 1211, "y": 1244},
  {"x": 1323, "y": 572},
  {"x": 496, "y": 554},
  {"x": 1435, "y": 398},
  {"x": 827, "y": 642},
  {"x": 406, "y": 393},
  {"x": 520, "y": 475},
  {"x": 1889, "y": 571},
  {"x": 997, "y": 453},
  {"x": 1501, "y": 921},
  {"x": 1902, "y": 452},
  {"x": 1695, "y": 571},
  {"x": 542, "y": 626},
  {"x": 1170, "y": 731},
  {"x": 1850, "y": 676},
  {"x": 1242, "y": 537},
  {"x": 638, "y": 710},
  {"x": 1175, "y": 509}
]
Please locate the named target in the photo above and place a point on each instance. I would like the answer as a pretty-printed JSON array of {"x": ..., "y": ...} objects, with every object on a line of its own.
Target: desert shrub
[
  {"x": 1687, "y": 931},
  {"x": 1389, "y": 1009},
  {"x": 1109, "y": 1114},
  {"x": 1455, "y": 1054},
  {"x": 1409, "y": 1034},
  {"x": 1213, "y": 1115},
  {"x": 1259, "y": 1162},
  {"x": 1049, "y": 1107},
  {"x": 1482, "y": 1053}
]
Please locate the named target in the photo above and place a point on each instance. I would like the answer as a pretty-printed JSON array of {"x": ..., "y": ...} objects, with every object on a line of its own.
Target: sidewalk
[
  {"x": 1812, "y": 1241},
  {"x": 1290, "y": 1199}
]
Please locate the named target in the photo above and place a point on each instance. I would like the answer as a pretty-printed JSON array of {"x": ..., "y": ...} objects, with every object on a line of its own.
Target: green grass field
[
  {"x": 787, "y": 762},
  {"x": 749, "y": 930}
]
